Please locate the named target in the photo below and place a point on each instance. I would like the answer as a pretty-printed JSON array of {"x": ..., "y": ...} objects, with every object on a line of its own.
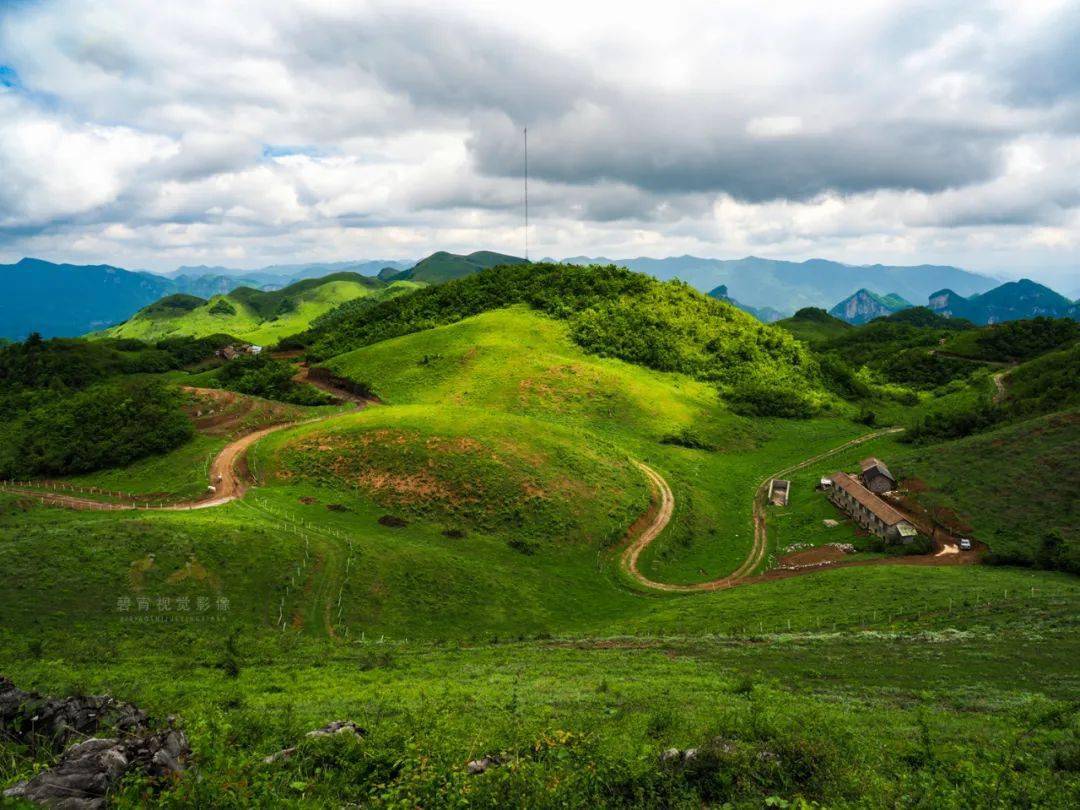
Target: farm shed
[
  {"x": 870, "y": 511},
  {"x": 779, "y": 490},
  {"x": 875, "y": 476}
]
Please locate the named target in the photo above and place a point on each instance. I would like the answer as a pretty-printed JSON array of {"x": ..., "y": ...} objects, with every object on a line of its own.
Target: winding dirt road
[
  {"x": 228, "y": 480},
  {"x": 666, "y": 507}
]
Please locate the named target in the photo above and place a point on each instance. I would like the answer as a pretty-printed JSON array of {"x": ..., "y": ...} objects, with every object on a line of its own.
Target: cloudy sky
[{"x": 152, "y": 134}]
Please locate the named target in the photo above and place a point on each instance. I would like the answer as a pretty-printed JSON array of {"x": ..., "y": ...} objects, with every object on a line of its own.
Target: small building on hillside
[
  {"x": 779, "y": 490},
  {"x": 870, "y": 511},
  {"x": 234, "y": 350},
  {"x": 875, "y": 476}
]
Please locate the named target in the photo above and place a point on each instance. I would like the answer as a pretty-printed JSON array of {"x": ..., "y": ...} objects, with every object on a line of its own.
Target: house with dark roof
[
  {"x": 870, "y": 511},
  {"x": 875, "y": 476}
]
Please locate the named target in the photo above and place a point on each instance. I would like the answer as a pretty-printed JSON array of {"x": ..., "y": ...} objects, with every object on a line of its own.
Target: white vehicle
[{"x": 965, "y": 544}]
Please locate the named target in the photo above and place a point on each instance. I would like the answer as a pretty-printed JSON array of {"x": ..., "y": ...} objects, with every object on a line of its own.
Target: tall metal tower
[{"x": 525, "y": 132}]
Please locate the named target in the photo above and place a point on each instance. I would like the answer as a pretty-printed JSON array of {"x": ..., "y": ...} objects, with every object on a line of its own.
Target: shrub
[
  {"x": 222, "y": 307},
  {"x": 523, "y": 546},
  {"x": 272, "y": 379},
  {"x": 752, "y": 399},
  {"x": 688, "y": 437}
]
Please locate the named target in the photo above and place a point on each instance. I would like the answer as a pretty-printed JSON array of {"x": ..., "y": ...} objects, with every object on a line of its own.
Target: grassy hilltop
[
  {"x": 443, "y": 567},
  {"x": 255, "y": 316}
]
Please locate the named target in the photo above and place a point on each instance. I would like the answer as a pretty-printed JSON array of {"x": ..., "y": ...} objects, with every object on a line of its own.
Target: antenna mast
[{"x": 525, "y": 132}]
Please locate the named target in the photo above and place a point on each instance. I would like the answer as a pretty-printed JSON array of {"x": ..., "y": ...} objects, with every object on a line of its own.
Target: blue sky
[{"x": 245, "y": 133}]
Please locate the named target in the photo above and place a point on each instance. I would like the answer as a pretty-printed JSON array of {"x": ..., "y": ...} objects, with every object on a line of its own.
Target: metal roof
[
  {"x": 877, "y": 507},
  {"x": 872, "y": 463}
]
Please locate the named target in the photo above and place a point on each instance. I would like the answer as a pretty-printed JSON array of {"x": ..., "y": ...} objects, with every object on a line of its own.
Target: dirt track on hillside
[
  {"x": 229, "y": 479},
  {"x": 664, "y": 505},
  {"x": 303, "y": 375},
  {"x": 999, "y": 386}
]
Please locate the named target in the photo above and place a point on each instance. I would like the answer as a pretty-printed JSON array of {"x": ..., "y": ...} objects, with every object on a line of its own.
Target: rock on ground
[
  {"x": 88, "y": 769},
  {"x": 29, "y": 717}
]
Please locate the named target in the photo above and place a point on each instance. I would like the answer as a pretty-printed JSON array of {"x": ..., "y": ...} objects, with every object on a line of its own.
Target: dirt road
[
  {"x": 304, "y": 375},
  {"x": 227, "y": 476},
  {"x": 228, "y": 481},
  {"x": 662, "y": 516},
  {"x": 999, "y": 386}
]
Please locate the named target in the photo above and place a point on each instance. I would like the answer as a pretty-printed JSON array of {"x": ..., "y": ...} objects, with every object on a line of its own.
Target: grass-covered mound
[
  {"x": 469, "y": 469},
  {"x": 518, "y": 361},
  {"x": 256, "y": 316},
  {"x": 813, "y": 325},
  {"x": 610, "y": 312}
]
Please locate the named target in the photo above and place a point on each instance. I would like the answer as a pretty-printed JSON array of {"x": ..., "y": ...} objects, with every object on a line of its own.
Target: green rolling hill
[
  {"x": 813, "y": 326},
  {"x": 255, "y": 316},
  {"x": 440, "y": 267}
]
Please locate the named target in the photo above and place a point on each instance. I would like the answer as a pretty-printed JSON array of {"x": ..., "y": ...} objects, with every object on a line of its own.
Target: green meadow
[{"x": 443, "y": 569}]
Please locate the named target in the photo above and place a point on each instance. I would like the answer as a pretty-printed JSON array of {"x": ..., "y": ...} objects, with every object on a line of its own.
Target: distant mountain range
[
  {"x": 69, "y": 299},
  {"x": 788, "y": 286},
  {"x": 278, "y": 275},
  {"x": 1011, "y": 301},
  {"x": 65, "y": 299}
]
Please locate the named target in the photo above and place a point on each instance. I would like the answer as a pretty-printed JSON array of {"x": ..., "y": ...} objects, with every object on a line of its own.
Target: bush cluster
[
  {"x": 272, "y": 379},
  {"x": 107, "y": 425}
]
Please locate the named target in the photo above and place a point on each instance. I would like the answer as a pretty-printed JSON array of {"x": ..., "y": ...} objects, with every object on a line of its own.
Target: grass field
[
  {"x": 900, "y": 701},
  {"x": 497, "y": 623},
  {"x": 519, "y": 362}
]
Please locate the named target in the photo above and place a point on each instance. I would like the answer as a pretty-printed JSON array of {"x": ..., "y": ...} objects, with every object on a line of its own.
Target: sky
[{"x": 149, "y": 134}]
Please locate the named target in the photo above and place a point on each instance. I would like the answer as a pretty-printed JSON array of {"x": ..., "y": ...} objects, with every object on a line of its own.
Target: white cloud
[{"x": 155, "y": 134}]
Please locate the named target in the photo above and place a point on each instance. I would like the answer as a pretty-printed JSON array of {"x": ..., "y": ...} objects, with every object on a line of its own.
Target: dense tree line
[
  {"x": 109, "y": 424},
  {"x": 75, "y": 363},
  {"x": 1022, "y": 340},
  {"x": 74, "y": 405}
]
